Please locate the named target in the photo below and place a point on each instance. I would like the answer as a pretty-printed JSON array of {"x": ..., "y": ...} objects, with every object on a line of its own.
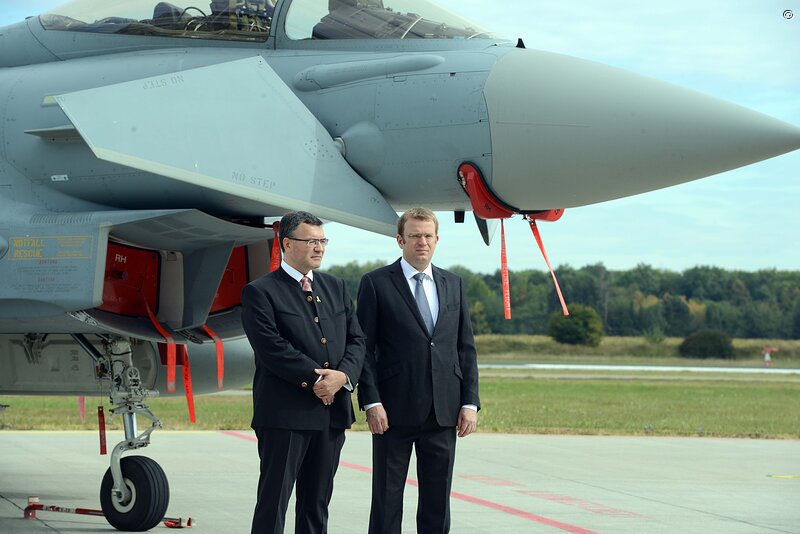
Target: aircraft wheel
[{"x": 149, "y": 495}]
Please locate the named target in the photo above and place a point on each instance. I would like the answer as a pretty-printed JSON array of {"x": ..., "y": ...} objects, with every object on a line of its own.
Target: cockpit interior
[
  {"x": 252, "y": 20},
  {"x": 223, "y": 19}
]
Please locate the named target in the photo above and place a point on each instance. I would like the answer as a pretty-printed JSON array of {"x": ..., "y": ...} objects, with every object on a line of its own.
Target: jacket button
[
  {"x": 433, "y": 344},
  {"x": 304, "y": 385},
  {"x": 309, "y": 298},
  {"x": 326, "y": 365},
  {"x": 324, "y": 341},
  {"x": 316, "y": 319}
]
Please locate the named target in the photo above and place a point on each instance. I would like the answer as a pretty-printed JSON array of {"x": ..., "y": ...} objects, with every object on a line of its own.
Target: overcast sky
[{"x": 742, "y": 51}]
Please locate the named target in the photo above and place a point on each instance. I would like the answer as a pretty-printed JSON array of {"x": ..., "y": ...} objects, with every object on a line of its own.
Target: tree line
[{"x": 643, "y": 301}]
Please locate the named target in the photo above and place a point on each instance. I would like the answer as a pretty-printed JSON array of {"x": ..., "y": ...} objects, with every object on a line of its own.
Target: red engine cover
[
  {"x": 132, "y": 275},
  {"x": 229, "y": 293}
]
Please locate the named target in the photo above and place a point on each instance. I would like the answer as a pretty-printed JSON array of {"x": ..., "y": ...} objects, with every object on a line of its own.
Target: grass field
[
  {"x": 664, "y": 403},
  {"x": 747, "y": 352},
  {"x": 642, "y": 407},
  {"x": 660, "y": 405}
]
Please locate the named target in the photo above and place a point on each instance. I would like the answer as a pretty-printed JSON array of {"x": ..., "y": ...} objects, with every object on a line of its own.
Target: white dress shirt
[{"x": 294, "y": 273}]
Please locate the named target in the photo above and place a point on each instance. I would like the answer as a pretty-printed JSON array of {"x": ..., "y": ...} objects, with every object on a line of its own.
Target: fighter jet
[{"x": 145, "y": 147}]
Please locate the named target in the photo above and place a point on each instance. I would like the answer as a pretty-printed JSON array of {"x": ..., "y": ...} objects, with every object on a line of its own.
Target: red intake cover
[
  {"x": 132, "y": 274},
  {"x": 229, "y": 293}
]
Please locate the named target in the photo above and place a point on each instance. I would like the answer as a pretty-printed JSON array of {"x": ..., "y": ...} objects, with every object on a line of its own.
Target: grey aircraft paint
[{"x": 173, "y": 132}]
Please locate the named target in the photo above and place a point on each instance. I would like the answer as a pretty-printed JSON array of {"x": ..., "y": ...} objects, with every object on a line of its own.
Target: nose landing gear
[{"x": 134, "y": 494}]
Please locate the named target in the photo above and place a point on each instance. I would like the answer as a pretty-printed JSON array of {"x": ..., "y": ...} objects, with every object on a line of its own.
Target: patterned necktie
[
  {"x": 305, "y": 282},
  {"x": 422, "y": 303}
]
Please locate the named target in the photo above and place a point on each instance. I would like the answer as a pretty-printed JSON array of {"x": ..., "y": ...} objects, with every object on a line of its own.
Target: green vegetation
[
  {"x": 643, "y": 300},
  {"x": 604, "y": 403},
  {"x": 615, "y": 349},
  {"x": 707, "y": 344},
  {"x": 581, "y": 327},
  {"x": 214, "y": 412},
  {"x": 641, "y": 407}
]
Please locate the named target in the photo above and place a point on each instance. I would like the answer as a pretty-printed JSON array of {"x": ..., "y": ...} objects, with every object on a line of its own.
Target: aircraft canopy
[
  {"x": 377, "y": 19},
  {"x": 239, "y": 20},
  {"x": 250, "y": 20}
]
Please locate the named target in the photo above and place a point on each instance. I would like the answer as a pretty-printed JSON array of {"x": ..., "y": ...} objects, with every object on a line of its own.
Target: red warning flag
[
  {"x": 504, "y": 271},
  {"x": 275, "y": 260},
  {"x": 538, "y": 238},
  {"x": 187, "y": 383},
  {"x": 220, "y": 354},
  {"x": 101, "y": 425},
  {"x": 170, "y": 342}
]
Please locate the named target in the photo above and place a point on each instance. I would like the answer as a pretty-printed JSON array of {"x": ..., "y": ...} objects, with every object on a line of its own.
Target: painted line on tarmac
[
  {"x": 662, "y": 368},
  {"x": 589, "y": 506},
  {"x": 491, "y": 481},
  {"x": 239, "y": 435},
  {"x": 566, "y": 527}
]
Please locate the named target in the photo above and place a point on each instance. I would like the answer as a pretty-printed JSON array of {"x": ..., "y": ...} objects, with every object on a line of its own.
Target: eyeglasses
[
  {"x": 313, "y": 242},
  {"x": 426, "y": 237}
]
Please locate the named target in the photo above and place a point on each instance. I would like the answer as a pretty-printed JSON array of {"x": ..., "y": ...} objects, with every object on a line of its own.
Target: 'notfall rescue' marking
[{"x": 51, "y": 247}]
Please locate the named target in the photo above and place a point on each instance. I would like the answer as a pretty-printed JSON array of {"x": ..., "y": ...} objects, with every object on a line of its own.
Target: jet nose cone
[{"x": 568, "y": 132}]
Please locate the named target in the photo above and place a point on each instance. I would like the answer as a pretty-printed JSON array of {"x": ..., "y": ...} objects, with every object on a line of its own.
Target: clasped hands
[{"x": 330, "y": 382}]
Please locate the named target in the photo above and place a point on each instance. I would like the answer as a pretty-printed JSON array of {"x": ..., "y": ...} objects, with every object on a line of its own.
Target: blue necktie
[{"x": 422, "y": 303}]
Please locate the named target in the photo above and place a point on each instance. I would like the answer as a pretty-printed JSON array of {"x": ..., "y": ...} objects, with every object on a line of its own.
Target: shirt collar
[
  {"x": 294, "y": 273},
  {"x": 409, "y": 271}
]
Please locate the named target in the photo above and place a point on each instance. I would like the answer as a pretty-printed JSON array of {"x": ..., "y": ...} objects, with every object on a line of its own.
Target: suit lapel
[
  {"x": 290, "y": 283},
  {"x": 441, "y": 290},
  {"x": 400, "y": 282},
  {"x": 294, "y": 291}
]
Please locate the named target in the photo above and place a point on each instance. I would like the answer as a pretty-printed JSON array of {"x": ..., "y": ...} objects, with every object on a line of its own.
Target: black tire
[{"x": 149, "y": 499}]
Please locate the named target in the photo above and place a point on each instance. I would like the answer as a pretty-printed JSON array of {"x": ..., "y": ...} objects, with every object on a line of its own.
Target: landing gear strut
[{"x": 134, "y": 494}]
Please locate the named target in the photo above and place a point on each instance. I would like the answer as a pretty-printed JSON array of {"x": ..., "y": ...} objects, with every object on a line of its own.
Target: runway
[{"x": 503, "y": 483}]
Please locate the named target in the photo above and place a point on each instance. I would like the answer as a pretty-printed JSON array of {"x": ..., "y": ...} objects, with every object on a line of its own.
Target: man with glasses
[
  {"x": 309, "y": 351},
  {"x": 419, "y": 385}
]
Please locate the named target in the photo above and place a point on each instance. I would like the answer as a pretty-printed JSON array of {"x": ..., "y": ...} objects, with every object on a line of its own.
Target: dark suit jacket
[
  {"x": 405, "y": 369},
  {"x": 289, "y": 343}
]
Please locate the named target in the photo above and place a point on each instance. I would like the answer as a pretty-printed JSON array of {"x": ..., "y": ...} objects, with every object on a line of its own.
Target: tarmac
[{"x": 502, "y": 483}]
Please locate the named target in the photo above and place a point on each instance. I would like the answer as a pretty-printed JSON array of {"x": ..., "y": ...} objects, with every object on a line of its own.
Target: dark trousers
[
  {"x": 435, "y": 447},
  {"x": 307, "y": 457}
]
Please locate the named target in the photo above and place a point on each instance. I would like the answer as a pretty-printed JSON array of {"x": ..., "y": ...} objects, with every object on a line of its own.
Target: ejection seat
[
  {"x": 169, "y": 17},
  {"x": 352, "y": 19}
]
